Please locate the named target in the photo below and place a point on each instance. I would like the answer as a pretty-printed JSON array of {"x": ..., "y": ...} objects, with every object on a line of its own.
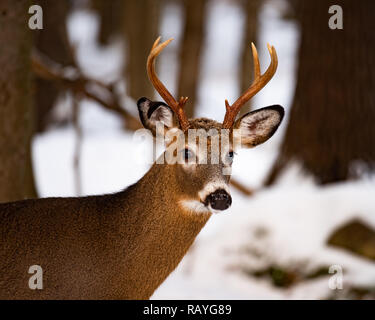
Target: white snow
[{"x": 295, "y": 216}]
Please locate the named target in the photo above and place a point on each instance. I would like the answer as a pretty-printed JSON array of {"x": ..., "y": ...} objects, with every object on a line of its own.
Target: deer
[{"x": 124, "y": 245}]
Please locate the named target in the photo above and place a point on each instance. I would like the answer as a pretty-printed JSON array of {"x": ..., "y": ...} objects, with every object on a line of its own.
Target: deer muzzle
[{"x": 219, "y": 200}]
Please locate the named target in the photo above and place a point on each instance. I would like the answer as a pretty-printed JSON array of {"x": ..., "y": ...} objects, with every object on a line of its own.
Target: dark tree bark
[
  {"x": 141, "y": 27},
  {"x": 190, "y": 52},
  {"x": 331, "y": 123},
  {"x": 111, "y": 14},
  {"x": 16, "y": 112},
  {"x": 250, "y": 9},
  {"x": 51, "y": 41}
]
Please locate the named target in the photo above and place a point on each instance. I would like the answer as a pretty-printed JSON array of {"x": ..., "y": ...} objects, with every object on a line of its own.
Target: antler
[
  {"x": 177, "y": 107},
  {"x": 258, "y": 83}
]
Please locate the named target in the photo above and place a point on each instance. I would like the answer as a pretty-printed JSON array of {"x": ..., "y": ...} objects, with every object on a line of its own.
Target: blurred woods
[
  {"x": 330, "y": 129},
  {"x": 137, "y": 23}
]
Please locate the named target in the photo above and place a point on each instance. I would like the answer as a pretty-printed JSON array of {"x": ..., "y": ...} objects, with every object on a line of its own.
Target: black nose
[{"x": 219, "y": 200}]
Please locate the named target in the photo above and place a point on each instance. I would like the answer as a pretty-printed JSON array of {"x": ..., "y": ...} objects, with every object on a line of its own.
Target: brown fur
[
  {"x": 119, "y": 246},
  {"x": 116, "y": 246}
]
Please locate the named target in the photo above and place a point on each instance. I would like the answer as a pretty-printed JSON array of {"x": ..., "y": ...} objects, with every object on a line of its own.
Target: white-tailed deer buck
[{"x": 124, "y": 245}]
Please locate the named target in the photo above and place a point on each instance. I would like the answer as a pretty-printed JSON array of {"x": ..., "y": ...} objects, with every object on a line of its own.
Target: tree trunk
[
  {"x": 111, "y": 14},
  {"x": 190, "y": 52},
  {"x": 251, "y": 9},
  {"x": 16, "y": 177},
  {"x": 51, "y": 41},
  {"x": 141, "y": 27},
  {"x": 331, "y": 127}
]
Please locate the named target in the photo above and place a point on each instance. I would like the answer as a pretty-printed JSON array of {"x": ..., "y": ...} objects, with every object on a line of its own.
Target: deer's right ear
[{"x": 151, "y": 112}]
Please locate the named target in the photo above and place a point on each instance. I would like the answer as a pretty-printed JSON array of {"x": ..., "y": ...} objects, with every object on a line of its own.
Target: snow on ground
[{"x": 285, "y": 225}]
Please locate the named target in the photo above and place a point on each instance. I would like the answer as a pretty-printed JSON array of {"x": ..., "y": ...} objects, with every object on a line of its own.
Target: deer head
[{"x": 203, "y": 169}]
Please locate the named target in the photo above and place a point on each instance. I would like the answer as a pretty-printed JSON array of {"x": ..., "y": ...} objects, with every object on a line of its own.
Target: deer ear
[
  {"x": 151, "y": 112},
  {"x": 257, "y": 126}
]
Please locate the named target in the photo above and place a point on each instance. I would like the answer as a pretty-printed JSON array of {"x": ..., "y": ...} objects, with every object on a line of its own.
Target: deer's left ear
[{"x": 257, "y": 126}]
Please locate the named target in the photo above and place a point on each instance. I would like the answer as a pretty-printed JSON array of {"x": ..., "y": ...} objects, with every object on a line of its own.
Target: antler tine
[
  {"x": 258, "y": 83},
  {"x": 255, "y": 61},
  {"x": 177, "y": 107},
  {"x": 156, "y": 43}
]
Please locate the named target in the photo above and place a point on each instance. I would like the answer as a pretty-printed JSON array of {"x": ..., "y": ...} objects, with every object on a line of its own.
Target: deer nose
[{"x": 219, "y": 200}]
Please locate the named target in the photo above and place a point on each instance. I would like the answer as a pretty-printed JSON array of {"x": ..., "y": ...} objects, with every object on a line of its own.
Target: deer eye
[
  {"x": 188, "y": 154},
  {"x": 230, "y": 156}
]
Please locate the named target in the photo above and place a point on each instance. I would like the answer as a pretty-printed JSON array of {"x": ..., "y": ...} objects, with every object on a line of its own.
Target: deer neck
[{"x": 162, "y": 230}]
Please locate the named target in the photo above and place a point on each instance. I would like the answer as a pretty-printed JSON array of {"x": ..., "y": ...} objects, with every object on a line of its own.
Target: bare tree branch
[
  {"x": 241, "y": 188},
  {"x": 72, "y": 79}
]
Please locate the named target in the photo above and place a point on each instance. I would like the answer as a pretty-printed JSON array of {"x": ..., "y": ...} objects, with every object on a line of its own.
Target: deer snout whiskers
[
  {"x": 216, "y": 196},
  {"x": 213, "y": 198},
  {"x": 218, "y": 201}
]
